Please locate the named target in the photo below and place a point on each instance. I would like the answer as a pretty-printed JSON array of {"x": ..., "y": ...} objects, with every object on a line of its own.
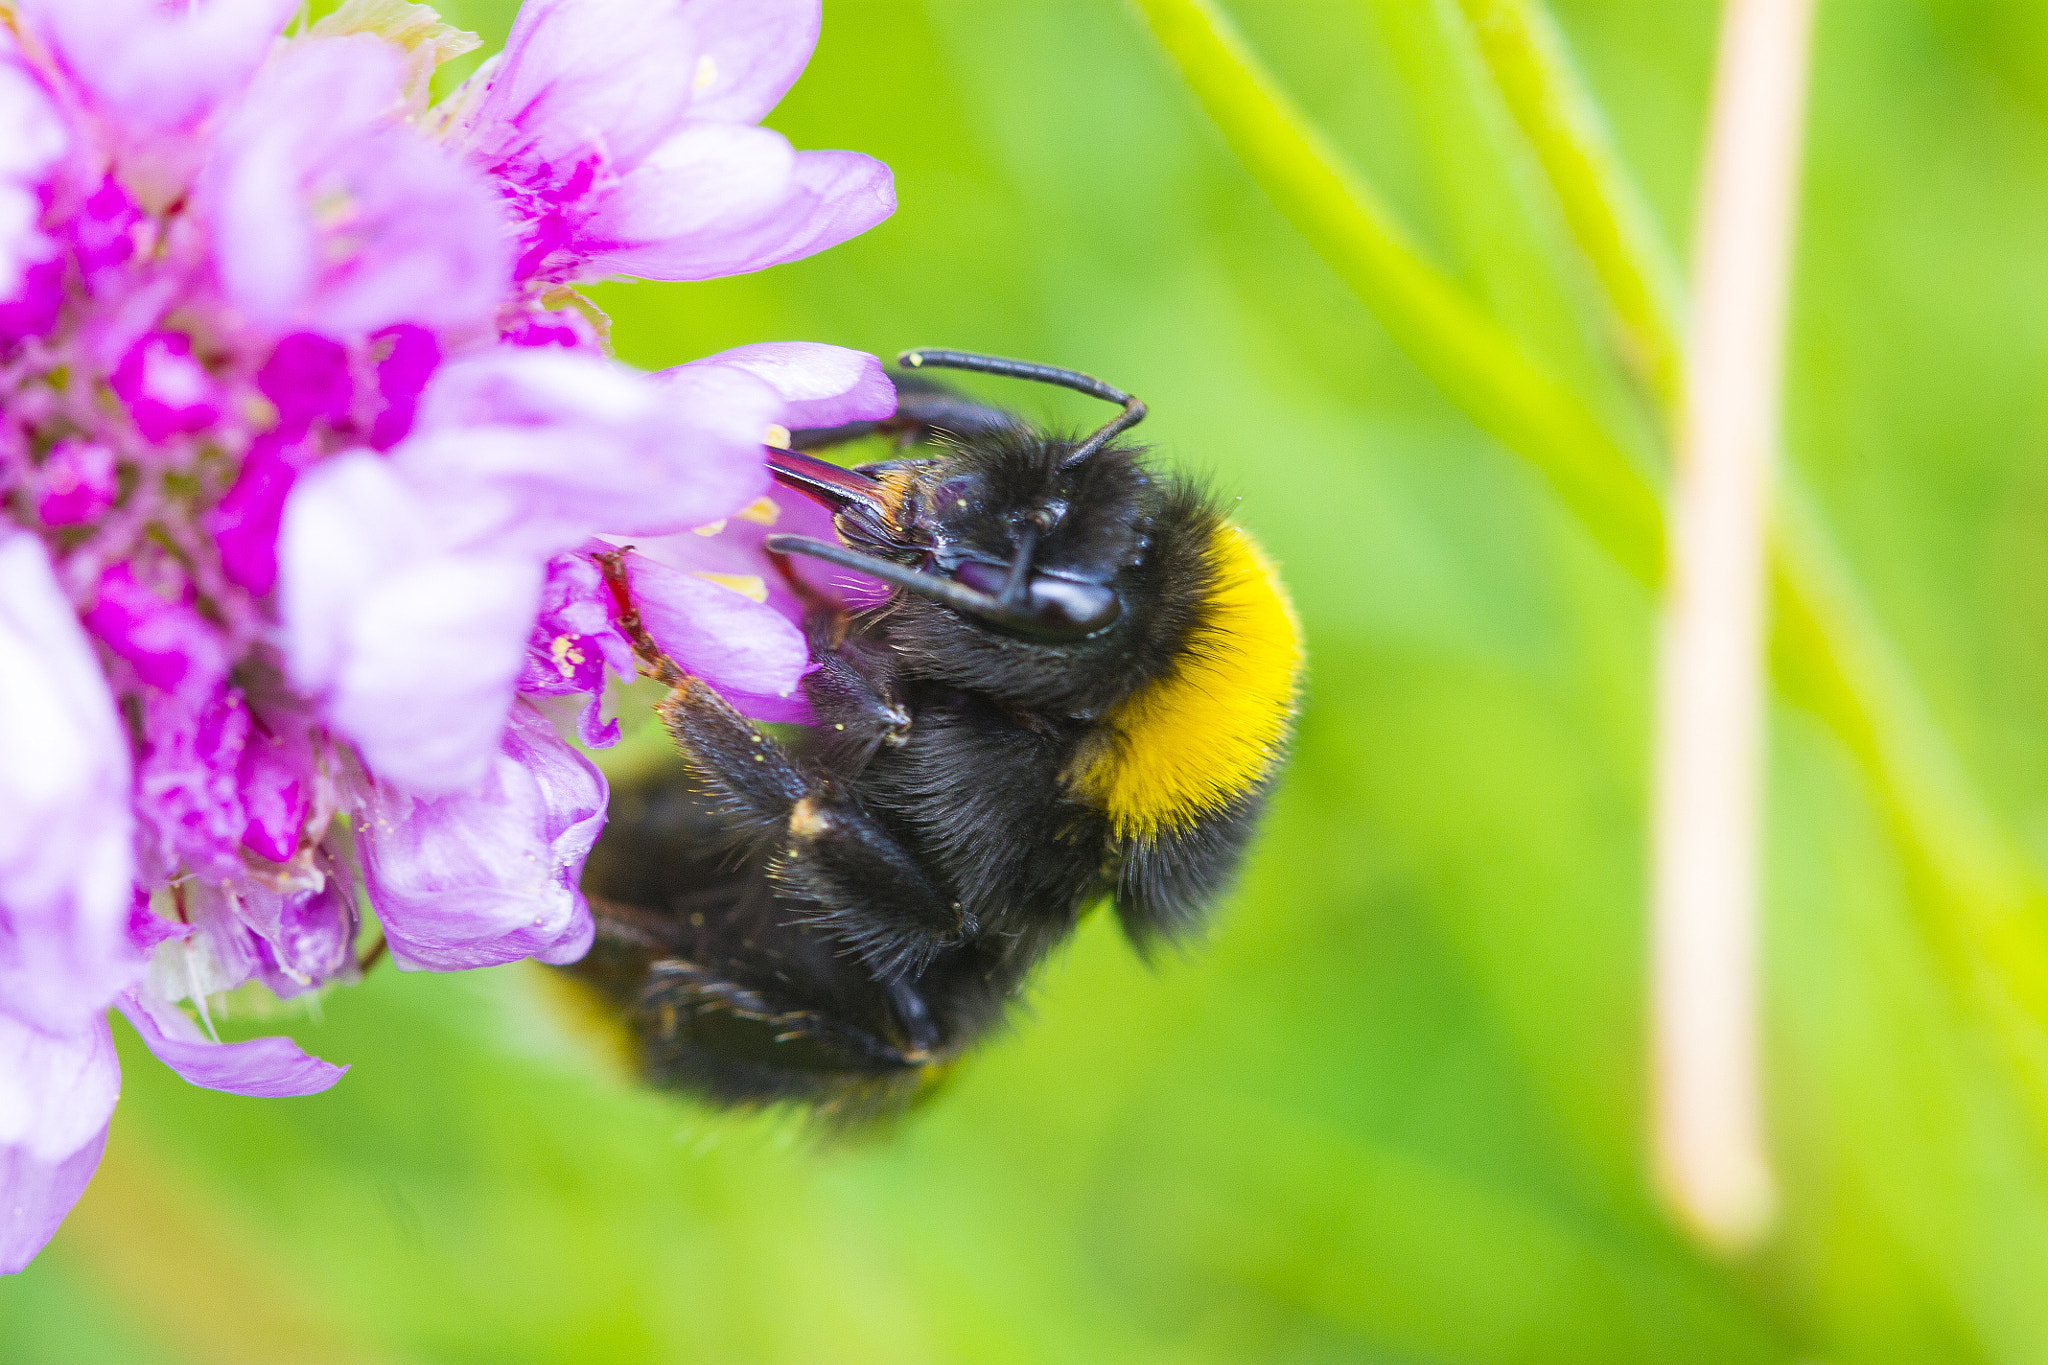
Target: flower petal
[
  {"x": 830, "y": 197},
  {"x": 580, "y": 72},
  {"x": 575, "y": 641},
  {"x": 65, "y": 844},
  {"x": 717, "y": 632},
  {"x": 78, "y": 483},
  {"x": 168, "y": 643},
  {"x": 277, "y": 779},
  {"x": 56, "y": 1089},
  {"x": 304, "y": 938},
  {"x": 487, "y": 875},
  {"x": 245, "y": 521},
  {"x": 344, "y": 525},
  {"x": 735, "y": 550},
  {"x": 538, "y": 449},
  {"x": 157, "y": 64},
  {"x": 218, "y": 954},
  {"x": 820, "y": 386},
  {"x": 750, "y": 53},
  {"x": 331, "y": 214},
  {"x": 36, "y": 1195},
  {"x": 36, "y": 139},
  {"x": 187, "y": 781},
  {"x": 433, "y": 655},
  {"x": 412, "y": 650},
  {"x": 57, "y": 1094},
  {"x": 264, "y": 1067},
  {"x": 698, "y": 185}
]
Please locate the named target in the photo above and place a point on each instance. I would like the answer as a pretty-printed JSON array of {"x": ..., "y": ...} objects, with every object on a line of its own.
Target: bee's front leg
[
  {"x": 855, "y": 704},
  {"x": 837, "y": 865}
]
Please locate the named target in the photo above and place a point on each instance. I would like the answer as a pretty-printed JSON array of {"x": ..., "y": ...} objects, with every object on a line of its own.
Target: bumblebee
[{"x": 1082, "y": 683}]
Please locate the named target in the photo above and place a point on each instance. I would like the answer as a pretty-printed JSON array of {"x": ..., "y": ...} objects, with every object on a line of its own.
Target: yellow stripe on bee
[
  {"x": 1217, "y": 724},
  {"x": 597, "y": 1024}
]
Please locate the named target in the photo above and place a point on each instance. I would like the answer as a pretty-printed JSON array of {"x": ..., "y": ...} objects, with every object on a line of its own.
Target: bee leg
[
  {"x": 854, "y": 703},
  {"x": 861, "y": 886},
  {"x": 869, "y": 891},
  {"x": 705, "y": 1032},
  {"x": 854, "y": 718},
  {"x": 853, "y": 876},
  {"x": 851, "y": 690}
]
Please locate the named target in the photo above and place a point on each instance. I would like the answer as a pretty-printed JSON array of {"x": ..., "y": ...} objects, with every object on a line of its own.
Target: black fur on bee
[{"x": 1081, "y": 685}]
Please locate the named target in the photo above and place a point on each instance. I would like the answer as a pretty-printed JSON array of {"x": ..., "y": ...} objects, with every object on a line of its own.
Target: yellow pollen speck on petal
[
  {"x": 778, "y": 436},
  {"x": 761, "y": 511},
  {"x": 711, "y": 530},
  {"x": 566, "y": 655},
  {"x": 332, "y": 207},
  {"x": 707, "y": 72},
  {"x": 745, "y": 584}
]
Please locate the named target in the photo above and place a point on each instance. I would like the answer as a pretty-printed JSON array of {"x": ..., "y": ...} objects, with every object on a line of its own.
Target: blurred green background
[{"x": 1394, "y": 1110}]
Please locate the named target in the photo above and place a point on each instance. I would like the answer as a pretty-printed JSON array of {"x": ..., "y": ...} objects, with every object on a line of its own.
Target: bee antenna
[
  {"x": 975, "y": 363},
  {"x": 958, "y": 596}
]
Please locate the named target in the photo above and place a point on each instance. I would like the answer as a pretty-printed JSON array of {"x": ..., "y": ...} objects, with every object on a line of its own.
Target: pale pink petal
[
  {"x": 830, "y": 197},
  {"x": 56, "y": 1089},
  {"x": 36, "y": 1195},
  {"x": 65, "y": 860},
  {"x": 433, "y": 656},
  {"x": 716, "y": 631},
  {"x": 57, "y": 1093},
  {"x": 314, "y": 162},
  {"x": 820, "y": 386},
  {"x": 265, "y": 1067},
  {"x": 411, "y": 649},
  {"x": 735, "y": 550},
  {"x": 751, "y": 52},
  {"x": 489, "y": 874},
  {"x": 160, "y": 64},
  {"x": 538, "y": 449},
  {"x": 706, "y": 180},
  {"x": 306, "y": 937},
  {"x": 36, "y": 139},
  {"x": 582, "y": 74}
]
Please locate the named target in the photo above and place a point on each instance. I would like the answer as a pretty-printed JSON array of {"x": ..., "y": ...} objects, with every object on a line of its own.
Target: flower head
[{"x": 303, "y": 463}]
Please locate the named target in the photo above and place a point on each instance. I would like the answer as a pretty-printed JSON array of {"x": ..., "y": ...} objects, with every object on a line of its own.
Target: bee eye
[
  {"x": 1068, "y": 610},
  {"x": 1053, "y": 608}
]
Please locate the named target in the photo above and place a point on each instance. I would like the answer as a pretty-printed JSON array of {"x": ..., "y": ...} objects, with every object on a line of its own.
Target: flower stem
[
  {"x": 1707, "y": 1130},
  {"x": 1982, "y": 900},
  {"x": 1533, "y": 72},
  {"x": 1483, "y": 369}
]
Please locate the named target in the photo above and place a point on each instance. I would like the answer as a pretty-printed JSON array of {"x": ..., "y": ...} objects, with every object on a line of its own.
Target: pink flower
[
  {"x": 624, "y": 135},
  {"x": 304, "y": 458}
]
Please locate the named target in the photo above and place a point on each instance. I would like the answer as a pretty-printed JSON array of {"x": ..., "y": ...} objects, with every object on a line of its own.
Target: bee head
[
  {"x": 1012, "y": 518},
  {"x": 1048, "y": 570},
  {"x": 1012, "y": 529}
]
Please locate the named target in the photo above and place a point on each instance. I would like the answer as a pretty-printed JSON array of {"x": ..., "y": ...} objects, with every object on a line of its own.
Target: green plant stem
[
  {"x": 1607, "y": 218},
  {"x": 1483, "y": 369},
  {"x": 1828, "y": 653}
]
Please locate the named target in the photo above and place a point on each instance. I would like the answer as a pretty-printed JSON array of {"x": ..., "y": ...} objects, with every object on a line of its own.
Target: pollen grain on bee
[{"x": 806, "y": 821}]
